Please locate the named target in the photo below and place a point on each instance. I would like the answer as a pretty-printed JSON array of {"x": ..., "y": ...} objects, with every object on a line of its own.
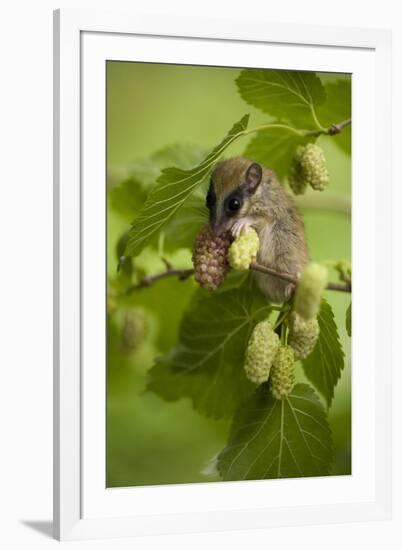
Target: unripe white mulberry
[
  {"x": 309, "y": 290},
  {"x": 261, "y": 350},
  {"x": 314, "y": 167},
  {"x": 303, "y": 335},
  {"x": 210, "y": 258},
  {"x": 244, "y": 250},
  {"x": 283, "y": 373},
  {"x": 134, "y": 330},
  {"x": 344, "y": 270},
  {"x": 308, "y": 167},
  {"x": 296, "y": 180}
]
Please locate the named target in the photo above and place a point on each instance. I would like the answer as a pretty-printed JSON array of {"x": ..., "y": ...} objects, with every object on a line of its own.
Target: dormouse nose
[
  {"x": 213, "y": 221},
  {"x": 215, "y": 226},
  {"x": 219, "y": 227}
]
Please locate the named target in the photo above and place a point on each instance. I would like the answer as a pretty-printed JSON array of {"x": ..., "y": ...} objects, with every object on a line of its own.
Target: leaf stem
[
  {"x": 273, "y": 126},
  {"x": 330, "y": 131},
  {"x": 280, "y": 320},
  {"x": 315, "y": 117},
  {"x": 283, "y": 333}
]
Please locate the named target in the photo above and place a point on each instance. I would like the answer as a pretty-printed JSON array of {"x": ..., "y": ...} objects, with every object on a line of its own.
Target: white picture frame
[{"x": 83, "y": 507}]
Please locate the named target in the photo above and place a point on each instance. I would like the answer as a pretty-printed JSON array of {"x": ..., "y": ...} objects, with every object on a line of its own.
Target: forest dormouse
[{"x": 243, "y": 194}]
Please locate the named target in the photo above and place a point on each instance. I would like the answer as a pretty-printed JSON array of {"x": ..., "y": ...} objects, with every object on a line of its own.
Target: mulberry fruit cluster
[
  {"x": 296, "y": 180},
  {"x": 244, "y": 250},
  {"x": 210, "y": 258},
  {"x": 261, "y": 351},
  {"x": 344, "y": 270},
  {"x": 309, "y": 290},
  {"x": 314, "y": 167},
  {"x": 283, "y": 372},
  {"x": 309, "y": 167},
  {"x": 133, "y": 331},
  {"x": 303, "y": 335}
]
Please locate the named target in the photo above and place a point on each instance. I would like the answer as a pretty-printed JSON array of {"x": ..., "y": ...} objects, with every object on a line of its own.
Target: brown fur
[
  {"x": 228, "y": 174},
  {"x": 273, "y": 214}
]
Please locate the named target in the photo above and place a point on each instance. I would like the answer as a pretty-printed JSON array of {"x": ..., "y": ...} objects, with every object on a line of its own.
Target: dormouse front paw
[{"x": 239, "y": 226}]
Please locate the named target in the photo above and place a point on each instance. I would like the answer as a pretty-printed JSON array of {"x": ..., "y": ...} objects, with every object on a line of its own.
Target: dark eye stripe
[{"x": 211, "y": 197}]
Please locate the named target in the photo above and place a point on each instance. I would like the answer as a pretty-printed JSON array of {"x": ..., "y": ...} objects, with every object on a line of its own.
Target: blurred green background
[{"x": 149, "y": 107}]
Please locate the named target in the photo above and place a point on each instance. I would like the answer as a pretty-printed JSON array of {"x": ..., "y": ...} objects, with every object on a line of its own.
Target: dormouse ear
[{"x": 253, "y": 177}]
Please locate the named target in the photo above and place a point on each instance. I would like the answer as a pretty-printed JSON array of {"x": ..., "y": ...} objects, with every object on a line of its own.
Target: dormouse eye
[{"x": 234, "y": 204}]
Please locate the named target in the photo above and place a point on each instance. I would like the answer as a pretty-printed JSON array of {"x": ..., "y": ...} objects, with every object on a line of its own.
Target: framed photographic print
[{"x": 210, "y": 187}]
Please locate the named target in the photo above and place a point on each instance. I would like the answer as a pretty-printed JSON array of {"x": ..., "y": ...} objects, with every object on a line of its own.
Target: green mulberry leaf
[
  {"x": 292, "y": 96},
  {"x": 171, "y": 191},
  {"x": 323, "y": 367},
  {"x": 181, "y": 230},
  {"x": 275, "y": 148},
  {"x": 273, "y": 438},
  {"x": 337, "y": 108},
  {"x": 207, "y": 364},
  {"x": 147, "y": 170},
  {"x": 127, "y": 198},
  {"x": 183, "y": 155}
]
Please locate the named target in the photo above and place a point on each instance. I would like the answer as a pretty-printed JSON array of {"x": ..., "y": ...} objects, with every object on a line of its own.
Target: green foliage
[
  {"x": 292, "y": 96},
  {"x": 173, "y": 187},
  {"x": 348, "y": 320},
  {"x": 180, "y": 231},
  {"x": 182, "y": 155},
  {"x": 196, "y": 343},
  {"x": 273, "y": 438},
  {"x": 297, "y": 98},
  {"x": 158, "y": 300},
  {"x": 337, "y": 108},
  {"x": 325, "y": 364},
  {"x": 206, "y": 364},
  {"x": 275, "y": 147},
  {"x": 127, "y": 198},
  {"x": 149, "y": 441}
]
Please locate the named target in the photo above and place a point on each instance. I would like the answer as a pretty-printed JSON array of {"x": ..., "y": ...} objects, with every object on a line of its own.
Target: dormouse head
[{"x": 233, "y": 184}]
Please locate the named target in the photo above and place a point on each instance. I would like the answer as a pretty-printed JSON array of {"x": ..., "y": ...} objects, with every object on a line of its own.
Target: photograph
[
  {"x": 206, "y": 353},
  {"x": 228, "y": 274}
]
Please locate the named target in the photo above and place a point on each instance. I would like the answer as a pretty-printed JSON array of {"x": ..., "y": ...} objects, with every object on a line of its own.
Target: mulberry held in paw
[
  {"x": 244, "y": 250},
  {"x": 309, "y": 290},
  {"x": 283, "y": 373},
  {"x": 210, "y": 258},
  {"x": 314, "y": 167},
  {"x": 261, "y": 350},
  {"x": 303, "y": 335}
]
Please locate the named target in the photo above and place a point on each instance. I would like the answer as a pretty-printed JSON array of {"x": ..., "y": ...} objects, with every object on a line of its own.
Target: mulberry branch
[{"x": 183, "y": 274}]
